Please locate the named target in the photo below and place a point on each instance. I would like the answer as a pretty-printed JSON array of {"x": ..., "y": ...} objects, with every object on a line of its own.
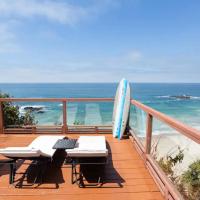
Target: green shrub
[
  {"x": 78, "y": 122},
  {"x": 168, "y": 162},
  {"x": 11, "y": 114},
  {"x": 187, "y": 183},
  {"x": 190, "y": 180}
]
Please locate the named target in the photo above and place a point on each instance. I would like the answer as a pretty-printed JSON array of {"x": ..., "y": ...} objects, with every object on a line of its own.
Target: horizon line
[{"x": 98, "y": 82}]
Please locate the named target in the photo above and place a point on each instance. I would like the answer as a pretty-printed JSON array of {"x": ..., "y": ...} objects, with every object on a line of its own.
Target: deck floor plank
[{"x": 126, "y": 176}]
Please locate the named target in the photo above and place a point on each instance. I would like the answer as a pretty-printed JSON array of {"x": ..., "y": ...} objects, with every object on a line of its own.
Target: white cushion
[
  {"x": 41, "y": 146},
  {"x": 89, "y": 146},
  {"x": 20, "y": 152},
  {"x": 45, "y": 144}
]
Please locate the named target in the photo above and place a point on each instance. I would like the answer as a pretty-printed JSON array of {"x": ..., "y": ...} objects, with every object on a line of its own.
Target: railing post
[
  {"x": 64, "y": 128},
  {"x": 34, "y": 129},
  {"x": 148, "y": 133},
  {"x": 96, "y": 130},
  {"x": 1, "y": 118}
]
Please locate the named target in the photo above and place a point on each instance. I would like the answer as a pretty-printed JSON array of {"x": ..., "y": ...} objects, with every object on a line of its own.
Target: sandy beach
[{"x": 168, "y": 144}]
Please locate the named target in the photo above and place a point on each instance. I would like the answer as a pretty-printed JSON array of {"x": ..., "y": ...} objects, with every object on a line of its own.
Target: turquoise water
[{"x": 163, "y": 97}]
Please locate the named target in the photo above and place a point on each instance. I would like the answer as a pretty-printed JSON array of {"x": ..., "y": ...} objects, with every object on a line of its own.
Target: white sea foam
[
  {"x": 164, "y": 96},
  {"x": 193, "y": 97},
  {"x": 177, "y": 97},
  {"x": 37, "y": 108}
]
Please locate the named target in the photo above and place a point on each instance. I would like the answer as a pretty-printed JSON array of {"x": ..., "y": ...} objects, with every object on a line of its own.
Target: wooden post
[
  {"x": 1, "y": 118},
  {"x": 96, "y": 130},
  {"x": 64, "y": 128},
  {"x": 148, "y": 133},
  {"x": 33, "y": 129}
]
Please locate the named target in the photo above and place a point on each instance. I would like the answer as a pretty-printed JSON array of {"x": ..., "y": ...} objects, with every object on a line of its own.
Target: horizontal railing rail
[
  {"x": 44, "y": 128},
  {"x": 165, "y": 185},
  {"x": 180, "y": 127},
  {"x": 56, "y": 99}
]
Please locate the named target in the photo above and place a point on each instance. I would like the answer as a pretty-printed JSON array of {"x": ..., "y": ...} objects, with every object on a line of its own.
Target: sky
[{"x": 99, "y": 40}]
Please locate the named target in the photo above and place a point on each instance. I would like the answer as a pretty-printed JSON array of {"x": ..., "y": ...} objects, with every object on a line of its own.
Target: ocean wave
[
  {"x": 179, "y": 97},
  {"x": 32, "y": 108},
  {"x": 163, "y": 132},
  {"x": 69, "y": 106},
  {"x": 162, "y": 97},
  {"x": 192, "y": 97}
]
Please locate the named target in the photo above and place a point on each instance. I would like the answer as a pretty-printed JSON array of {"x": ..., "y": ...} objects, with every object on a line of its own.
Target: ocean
[{"x": 180, "y": 101}]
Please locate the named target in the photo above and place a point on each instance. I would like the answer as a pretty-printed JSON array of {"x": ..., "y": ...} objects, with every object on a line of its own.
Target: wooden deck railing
[
  {"x": 64, "y": 128},
  {"x": 165, "y": 185}
]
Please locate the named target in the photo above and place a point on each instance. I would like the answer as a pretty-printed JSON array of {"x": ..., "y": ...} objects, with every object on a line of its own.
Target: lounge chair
[
  {"x": 40, "y": 151},
  {"x": 89, "y": 150}
]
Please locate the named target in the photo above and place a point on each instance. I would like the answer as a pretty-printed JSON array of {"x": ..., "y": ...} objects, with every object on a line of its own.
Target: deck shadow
[
  {"x": 51, "y": 174},
  {"x": 109, "y": 175},
  {"x": 5, "y": 167}
]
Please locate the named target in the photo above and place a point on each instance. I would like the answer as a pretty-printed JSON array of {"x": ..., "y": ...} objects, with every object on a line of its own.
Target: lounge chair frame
[
  {"x": 78, "y": 177},
  {"x": 46, "y": 155},
  {"x": 37, "y": 161},
  {"x": 11, "y": 163}
]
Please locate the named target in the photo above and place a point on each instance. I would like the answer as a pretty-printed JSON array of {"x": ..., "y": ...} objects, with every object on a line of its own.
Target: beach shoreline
[{"x": 169, "y": 144}]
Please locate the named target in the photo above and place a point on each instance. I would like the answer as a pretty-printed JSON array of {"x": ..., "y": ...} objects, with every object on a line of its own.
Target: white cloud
[
  {"x": 5, "y": 34},
  {"x": 127, "y": 60},
  {"x": 59, "y": 11},
  {"x": 7, "y": 39},
  {"x": 21, "y": 10},
  {"x": 56, "y": 10},
  {"x": 134, "y": 56},
  {"x": 24, "y": 75}
]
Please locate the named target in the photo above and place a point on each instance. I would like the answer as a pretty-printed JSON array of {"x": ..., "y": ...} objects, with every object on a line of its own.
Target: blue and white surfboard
[{"x": 121, "y": 108}]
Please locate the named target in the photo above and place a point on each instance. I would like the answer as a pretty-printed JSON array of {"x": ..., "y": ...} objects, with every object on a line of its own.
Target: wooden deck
[{"x": 126, "y": 176}]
